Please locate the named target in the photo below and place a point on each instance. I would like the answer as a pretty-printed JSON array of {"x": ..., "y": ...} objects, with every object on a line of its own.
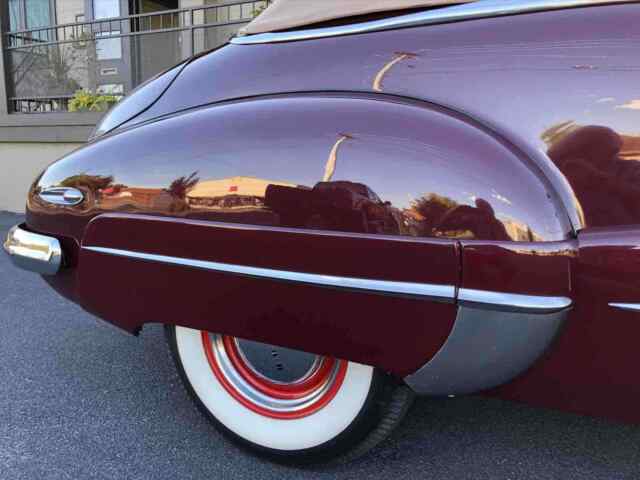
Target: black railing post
[
  {"x": 192, "y": 33},
  {"x": 4, "y": 79}
]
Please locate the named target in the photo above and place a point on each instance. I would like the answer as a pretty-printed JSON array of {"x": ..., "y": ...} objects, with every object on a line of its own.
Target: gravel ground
[{"x": 80, "y": 400}]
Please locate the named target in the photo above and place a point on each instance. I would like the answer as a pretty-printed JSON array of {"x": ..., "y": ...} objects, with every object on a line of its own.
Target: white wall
[
  {"x": 66, "y": 10},
  {"x": 20, "y": 164}
]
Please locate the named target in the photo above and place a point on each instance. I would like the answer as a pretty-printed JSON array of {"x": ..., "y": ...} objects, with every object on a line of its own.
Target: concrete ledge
[
  {"x": 49, "y": 119},
  {"x": 48, "y": 127},
  {"x": 50, "y": 134}
]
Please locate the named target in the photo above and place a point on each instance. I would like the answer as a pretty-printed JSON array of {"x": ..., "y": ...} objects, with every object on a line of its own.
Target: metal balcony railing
[{"x": 46, "y": 66}]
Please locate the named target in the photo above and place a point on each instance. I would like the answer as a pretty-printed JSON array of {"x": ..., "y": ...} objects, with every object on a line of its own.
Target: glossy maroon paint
[
  {"x": 399, "y": 168},
  {"x": 592, "y": 367},
  {"x": 348, "y": 325},
  {"x": 526, "y": 76},
  {"x": 523, "y": 128},
  {"x": 542, "y": 268}
]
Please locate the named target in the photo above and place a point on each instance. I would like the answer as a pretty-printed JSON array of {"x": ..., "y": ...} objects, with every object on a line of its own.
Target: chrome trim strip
[
  {"x": 441, "y": 293},
  {"x": 33, "y": 252},
  {"x": 512, "y": 301},
  {"x": 632, "y": 307},
  {"x": 469, "y": 11}
]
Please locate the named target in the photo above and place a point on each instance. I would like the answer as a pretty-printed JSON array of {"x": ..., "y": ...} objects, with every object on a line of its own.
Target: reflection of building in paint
[
  {"x": 630, "y": 147},
  {"x": 148, "y": 198},
  {"x": 519, "y": 232},
  {"x": 233, "y": 192}
]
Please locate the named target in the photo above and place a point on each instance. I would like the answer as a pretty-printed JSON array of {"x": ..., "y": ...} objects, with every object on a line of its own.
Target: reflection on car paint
[
  {"x": 352, "y": 165},
  {"x": 341, "y": 205},
  {"x": 398, "y": 57},
  {"x": 338, "y": 205},
  {"x": 520, "y": 84},
  {"x": 330, "y": 167},
  {"x": 603, "y": 168}
]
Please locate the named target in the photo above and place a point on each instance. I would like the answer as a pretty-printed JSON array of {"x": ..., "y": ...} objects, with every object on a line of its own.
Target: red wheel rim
[
  {"x": 279, "y": 390},
  {"x": 324, "y": 382}
]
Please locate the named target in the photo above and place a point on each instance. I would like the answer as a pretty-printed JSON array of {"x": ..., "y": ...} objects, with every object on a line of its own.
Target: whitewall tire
[{"x": 291, "y": 406}]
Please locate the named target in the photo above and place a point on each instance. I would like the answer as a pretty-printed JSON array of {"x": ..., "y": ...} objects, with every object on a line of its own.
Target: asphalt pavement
[{"x": 82, "y": 400}]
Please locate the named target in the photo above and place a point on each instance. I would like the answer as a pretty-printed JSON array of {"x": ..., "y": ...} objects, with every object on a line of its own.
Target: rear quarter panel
[{"x": 242, "y": 183}]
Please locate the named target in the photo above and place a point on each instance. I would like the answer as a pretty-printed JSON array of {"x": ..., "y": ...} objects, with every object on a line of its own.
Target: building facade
[{"x": 51, "y": 49}]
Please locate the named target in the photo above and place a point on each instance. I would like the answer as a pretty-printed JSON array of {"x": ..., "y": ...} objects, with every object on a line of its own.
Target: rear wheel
[{"x": 291, "y": 406}]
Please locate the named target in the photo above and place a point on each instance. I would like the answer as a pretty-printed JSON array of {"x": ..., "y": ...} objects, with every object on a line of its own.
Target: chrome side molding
[
  {"x": 632, "y": 307},
  {"x": 512, "y": 301},
  {"x": 62, "y": 196},
  {"x": 468, "y": 11},
  {"x": 33, "y": 252},
  {"x": 440, "y": 293}
]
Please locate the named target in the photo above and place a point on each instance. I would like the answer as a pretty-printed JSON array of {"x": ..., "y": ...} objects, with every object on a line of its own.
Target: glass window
[
  {"x": 108, "y": 49},
  {"x": 14, "y": 15},
  {"x": 31, "y": 14},
  {"x": 38, "y": 13},
  {"x": 106, "y": 9}
]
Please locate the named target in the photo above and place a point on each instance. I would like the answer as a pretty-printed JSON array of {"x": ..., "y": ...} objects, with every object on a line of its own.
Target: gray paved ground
[{"x": 79, "y": 400}]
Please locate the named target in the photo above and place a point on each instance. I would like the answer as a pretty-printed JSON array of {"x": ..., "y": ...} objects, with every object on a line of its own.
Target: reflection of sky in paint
[
  {"x": 553, "y": 73},
  {"x": 631, "y": 105}
]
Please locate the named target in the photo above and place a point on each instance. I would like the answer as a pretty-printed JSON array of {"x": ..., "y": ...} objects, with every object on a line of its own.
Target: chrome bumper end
[{"x": 33, "y": 252}]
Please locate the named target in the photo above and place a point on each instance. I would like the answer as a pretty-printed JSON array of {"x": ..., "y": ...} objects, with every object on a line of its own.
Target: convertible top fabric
[{"x": 285, "y": 14}]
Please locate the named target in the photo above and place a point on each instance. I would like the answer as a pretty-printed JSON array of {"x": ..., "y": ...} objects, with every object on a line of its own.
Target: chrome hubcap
[{"x": 277, "y": 364}]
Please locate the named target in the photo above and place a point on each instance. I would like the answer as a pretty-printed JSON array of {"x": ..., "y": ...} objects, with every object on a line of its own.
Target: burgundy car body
[{"x": 502, "y": 158}]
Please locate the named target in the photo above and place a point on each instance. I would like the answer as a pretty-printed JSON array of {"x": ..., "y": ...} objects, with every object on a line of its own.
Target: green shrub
[
  {"x": 258, "y": 10},
  {"x": 86, "y": 101}
]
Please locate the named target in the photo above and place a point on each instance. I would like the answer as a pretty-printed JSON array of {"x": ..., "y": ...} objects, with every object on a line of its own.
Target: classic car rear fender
[
  {"x": 340, "y": 224},
  {"x": 407, "y": 308}
]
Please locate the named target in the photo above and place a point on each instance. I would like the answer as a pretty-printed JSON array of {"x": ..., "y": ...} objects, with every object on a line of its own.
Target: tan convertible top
[{"x": 285, "y": 14}]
